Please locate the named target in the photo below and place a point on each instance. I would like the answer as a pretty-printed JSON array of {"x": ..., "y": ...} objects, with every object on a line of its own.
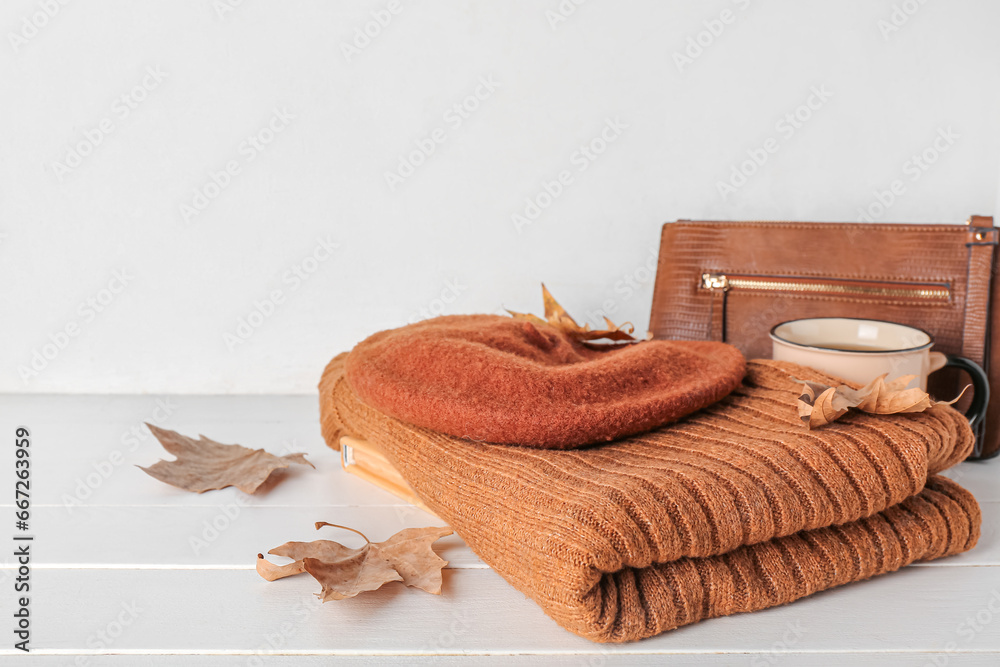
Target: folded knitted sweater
[{"x": 735, "y": 508}]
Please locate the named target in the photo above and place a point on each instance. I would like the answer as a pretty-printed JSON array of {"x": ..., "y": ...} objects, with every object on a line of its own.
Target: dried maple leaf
[
  {"x": 363, "y": 571},
  {"x": 344, "y": 572},
  {"x": 410, "y": 553},
  {"x": 204, "y": 464},
  {"x": 556, "y": 316},
  {"x": 820, "y": 404}
]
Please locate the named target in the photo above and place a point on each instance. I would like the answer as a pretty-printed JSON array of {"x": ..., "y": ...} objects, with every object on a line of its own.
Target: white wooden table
[{"x": 128, "y": 571}]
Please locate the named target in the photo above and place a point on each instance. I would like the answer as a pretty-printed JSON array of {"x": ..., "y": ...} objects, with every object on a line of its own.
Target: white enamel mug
[{"x": 860, "y": 350}]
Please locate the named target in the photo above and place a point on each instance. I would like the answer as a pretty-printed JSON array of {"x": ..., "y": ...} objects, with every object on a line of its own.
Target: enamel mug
[{"x": 860, "y": 350}]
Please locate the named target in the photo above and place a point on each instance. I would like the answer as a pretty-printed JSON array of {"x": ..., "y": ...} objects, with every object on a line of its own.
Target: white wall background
[{"x": 447, "y": 229}]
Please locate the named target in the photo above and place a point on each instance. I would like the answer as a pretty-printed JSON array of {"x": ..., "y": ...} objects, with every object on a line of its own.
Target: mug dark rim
[{"x": 928, "y": 344}]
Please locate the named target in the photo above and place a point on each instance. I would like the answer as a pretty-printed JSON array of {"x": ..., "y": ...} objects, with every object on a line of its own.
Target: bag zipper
[{"x": 861, "y": 288}]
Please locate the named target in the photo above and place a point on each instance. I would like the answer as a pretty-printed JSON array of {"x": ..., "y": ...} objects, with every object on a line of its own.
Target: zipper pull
[{"x": 714, "y": 281}]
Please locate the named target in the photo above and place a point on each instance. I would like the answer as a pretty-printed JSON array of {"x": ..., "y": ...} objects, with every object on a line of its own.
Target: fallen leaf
[
  {"x": 556, "y": 316},
  {"x": 364, "y": 571},
  {"x": 325, "y": 550},
  {"x": 411, "y": 555},
  {"x": 816, "y": 405},
  {"x": 272, "y": 572},
  {"x": 204, "y": 464},
  {"x": 343, "y": 572},
  {"x": 820, "y": 404}
]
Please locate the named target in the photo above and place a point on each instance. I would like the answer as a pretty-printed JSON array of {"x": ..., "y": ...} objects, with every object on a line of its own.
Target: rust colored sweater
[{"x": 736, "y": 508}]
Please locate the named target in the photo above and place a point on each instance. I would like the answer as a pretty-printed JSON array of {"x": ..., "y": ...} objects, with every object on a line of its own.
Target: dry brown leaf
[
  {"x": 820, "y": 404},
  {"x": 203, "y": 464},
  {"x": 411, "y": 555},
  {"x": 816, "y": 405},
  {"x": 343, "y": 572},
  {"x": 364, "y": 571},
  {"x": 325, "y": 550},
  {"x": 272, "y": 572},
  {"x": 556, "y": 316}
]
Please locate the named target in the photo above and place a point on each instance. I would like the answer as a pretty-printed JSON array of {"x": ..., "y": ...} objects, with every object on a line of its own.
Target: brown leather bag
[{"x": 734, "y": 281}]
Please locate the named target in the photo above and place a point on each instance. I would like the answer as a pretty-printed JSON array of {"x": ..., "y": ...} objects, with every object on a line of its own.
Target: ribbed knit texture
[{"x": 736, "y": 508}]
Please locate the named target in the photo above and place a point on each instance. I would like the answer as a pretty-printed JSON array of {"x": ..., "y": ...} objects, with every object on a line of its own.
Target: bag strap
[
  {"x": 981, "y": 242},
  {"x": 982, "y": 239}
]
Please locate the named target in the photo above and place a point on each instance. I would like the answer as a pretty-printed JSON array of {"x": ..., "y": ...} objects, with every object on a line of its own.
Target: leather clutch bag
[{"x": 733, "y": 281}]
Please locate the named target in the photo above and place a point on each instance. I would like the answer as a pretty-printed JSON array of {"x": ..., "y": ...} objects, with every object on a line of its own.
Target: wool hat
[{"x": 501, "y": 380}]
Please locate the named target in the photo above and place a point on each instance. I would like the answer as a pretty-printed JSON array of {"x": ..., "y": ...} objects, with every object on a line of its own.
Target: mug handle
[{"x": 980, "y": 398}]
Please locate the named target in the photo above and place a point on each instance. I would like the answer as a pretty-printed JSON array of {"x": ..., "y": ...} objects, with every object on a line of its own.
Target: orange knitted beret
[{"x": 501, "y": 380}]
